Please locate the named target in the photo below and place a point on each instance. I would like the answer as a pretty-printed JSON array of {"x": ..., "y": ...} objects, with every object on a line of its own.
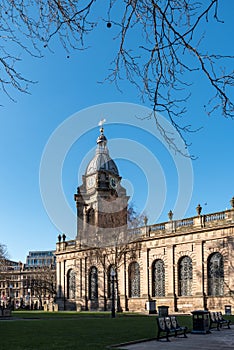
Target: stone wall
[{"x": 196, "y": 238}]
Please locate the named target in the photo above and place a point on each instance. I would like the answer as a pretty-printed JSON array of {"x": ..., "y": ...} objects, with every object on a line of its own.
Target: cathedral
[{"x": 184, "y": 264}]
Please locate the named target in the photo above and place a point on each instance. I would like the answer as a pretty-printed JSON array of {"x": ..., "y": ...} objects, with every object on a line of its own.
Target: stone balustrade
[{"x": 172, "y": 226}]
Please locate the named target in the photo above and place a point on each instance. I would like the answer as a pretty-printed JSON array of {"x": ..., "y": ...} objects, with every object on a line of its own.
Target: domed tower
[{"x": 101, "y": 200}]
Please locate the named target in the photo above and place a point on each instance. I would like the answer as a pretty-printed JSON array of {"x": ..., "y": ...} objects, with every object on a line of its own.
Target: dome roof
[{"x": 102, "y": 160}]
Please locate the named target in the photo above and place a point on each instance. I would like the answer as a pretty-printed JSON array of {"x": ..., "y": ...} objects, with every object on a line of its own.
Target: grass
[{"x": 72, "y": 330}]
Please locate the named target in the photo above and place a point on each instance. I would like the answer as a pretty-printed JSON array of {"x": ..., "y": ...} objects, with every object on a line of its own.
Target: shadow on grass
[{"x": 72, "y": 330}]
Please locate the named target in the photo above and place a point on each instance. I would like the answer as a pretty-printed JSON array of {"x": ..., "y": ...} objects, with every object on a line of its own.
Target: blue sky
[{"x": 67, "y": 86}]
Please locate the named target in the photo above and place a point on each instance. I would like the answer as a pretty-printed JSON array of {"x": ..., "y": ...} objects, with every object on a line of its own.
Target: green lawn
[{"x": 72, "y": 330}]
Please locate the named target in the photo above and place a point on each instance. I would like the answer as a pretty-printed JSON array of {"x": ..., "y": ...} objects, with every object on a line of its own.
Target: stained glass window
[
  {"x": 71, "y": 284},
  {"x": 109, "y": 281},
  {"x": 93, "y": 283},
  {"x": 215, "y": 275},
  {"x": 185, "y": 274},
  {"x": 134, "y": 280},
  {"x": 158, "y": 278}
]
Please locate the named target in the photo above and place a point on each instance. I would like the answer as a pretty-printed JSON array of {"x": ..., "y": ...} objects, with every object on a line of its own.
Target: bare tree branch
[{"x": 167, "y": 60}]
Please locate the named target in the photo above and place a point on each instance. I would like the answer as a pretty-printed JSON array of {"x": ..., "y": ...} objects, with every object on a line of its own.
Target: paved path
[{"x": 223, "y": 340}]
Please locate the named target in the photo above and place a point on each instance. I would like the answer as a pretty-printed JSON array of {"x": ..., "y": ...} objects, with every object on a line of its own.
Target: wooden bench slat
[
  {"x": 217, "y": 318},
  {"x": 170, "y": 325}
]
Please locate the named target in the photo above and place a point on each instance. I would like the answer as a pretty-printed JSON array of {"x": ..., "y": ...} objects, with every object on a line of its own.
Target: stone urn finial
[
  {"x": 59, "y": 238},
  {"x": 64, "y": 237},
  {"x": 199, "y": 209},
  {"x": 170, "y": 215},
  {"x": 232, "y": 202}
]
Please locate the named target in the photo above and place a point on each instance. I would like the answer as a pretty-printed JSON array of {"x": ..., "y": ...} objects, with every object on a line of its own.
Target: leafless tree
[
  {"x": 136, "y": 219},
  {"x": 114, "y": 246},
  {"x": 162, "y": 66},
  {"x": 3, "y": 252},
  {"x": 4, "y": 258},
  {"x": 42, "y": 284},
  {"x": 120, "y": 246}
]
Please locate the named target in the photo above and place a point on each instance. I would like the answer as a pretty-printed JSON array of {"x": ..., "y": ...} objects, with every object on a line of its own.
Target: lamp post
[{"x": 112, "y": 273}]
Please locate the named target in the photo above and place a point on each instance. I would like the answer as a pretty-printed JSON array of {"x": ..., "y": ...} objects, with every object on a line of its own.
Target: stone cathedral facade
[{"x": 185, "y": 264}]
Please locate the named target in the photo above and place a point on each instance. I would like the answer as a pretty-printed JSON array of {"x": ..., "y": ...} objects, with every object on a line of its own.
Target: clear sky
[{"x": 64, "y": 107}]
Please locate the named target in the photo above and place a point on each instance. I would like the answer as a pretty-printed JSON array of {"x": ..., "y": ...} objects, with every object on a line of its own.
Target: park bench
[
  {"x": 170, "y": 326},
  {"x": 5, "y": 312},
  {"x": 217, "y": 319}
]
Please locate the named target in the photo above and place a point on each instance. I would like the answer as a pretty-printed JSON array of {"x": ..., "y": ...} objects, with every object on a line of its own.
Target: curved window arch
[
  {"x": 71, "y": 284},
  {"x": 134, "y": 280},
  {"x": 110, "y": 280},
  {"x": 91, "y": 216},
  {"x": 215, "y": 271},
  {"x": 185, "y": 276},
  {"x": 93, "y": 283},
  {"x": 158, "y": 278}
]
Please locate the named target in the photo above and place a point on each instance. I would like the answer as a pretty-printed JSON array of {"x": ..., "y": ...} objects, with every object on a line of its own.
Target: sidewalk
[{"x": 223, "y": 339}]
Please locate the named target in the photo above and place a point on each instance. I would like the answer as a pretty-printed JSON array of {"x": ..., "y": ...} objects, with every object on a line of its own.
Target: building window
[
  {"x": 215, "y": 275},
  {"x": 110, "y": 281},
  {"x": 158, "y": 278},
  {"x": 134, "y": 280},
  {"x": 93, "y": 283},
  {"x": 71, "y": 284},
  {"x": 185, "y": 274},
  {"x": 91, "y": 216}
]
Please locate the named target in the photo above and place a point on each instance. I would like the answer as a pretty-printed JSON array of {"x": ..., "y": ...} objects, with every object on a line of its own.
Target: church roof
[{"x": 102, "y": 159}]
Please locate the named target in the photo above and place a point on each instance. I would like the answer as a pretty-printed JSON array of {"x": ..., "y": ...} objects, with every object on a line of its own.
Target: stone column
[
  {"x": 169, "y": 274},
  {"x": 126, "y": 291},
  {"x": 230, "y": 242},
  {"x": 58, "y": 278},
  {"x": 144, "y": 274},
  {"x": 63, "y": 282},
  {"x": 198, "y": 270},
  {"x": 101, "y": 289},
  {"x": 84, "y": 223},
  {"x": 121, "y": 285},
  {"x": 199, "y": 277}
]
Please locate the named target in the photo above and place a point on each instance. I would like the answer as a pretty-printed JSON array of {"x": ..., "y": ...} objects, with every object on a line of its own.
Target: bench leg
[{"x": 168, "y": 336}]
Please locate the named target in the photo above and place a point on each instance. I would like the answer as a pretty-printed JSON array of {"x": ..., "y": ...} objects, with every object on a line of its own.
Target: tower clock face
[
  {"x": 90, "y": 181},
  {"x": 113, "y": 182}
]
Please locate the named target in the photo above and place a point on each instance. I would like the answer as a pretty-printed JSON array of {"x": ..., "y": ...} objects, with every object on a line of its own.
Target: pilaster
[
  {"x": 144, "y": 273},
  {"x": 198, "y": 272},
  {"x": 169, "y": 271}
]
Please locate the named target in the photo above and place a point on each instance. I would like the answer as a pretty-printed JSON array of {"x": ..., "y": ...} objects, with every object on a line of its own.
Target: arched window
[
  {"x": 71, "y": 284},
  {"x": 134, "y": 280},
  {"x": 215, "y": 275},
  {"x": 93, "y": 283},
  {"x": 158, "y": 278},
  {"x": 110, "y": 280},
  {"x": 91, "y": 216},
  {"x": 185, "y": 276}
]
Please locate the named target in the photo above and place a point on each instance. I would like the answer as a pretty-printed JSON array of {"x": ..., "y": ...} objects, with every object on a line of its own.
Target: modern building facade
[
  {"x": 40, "y": 258},
  {"x": 185, "y": 264}
]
